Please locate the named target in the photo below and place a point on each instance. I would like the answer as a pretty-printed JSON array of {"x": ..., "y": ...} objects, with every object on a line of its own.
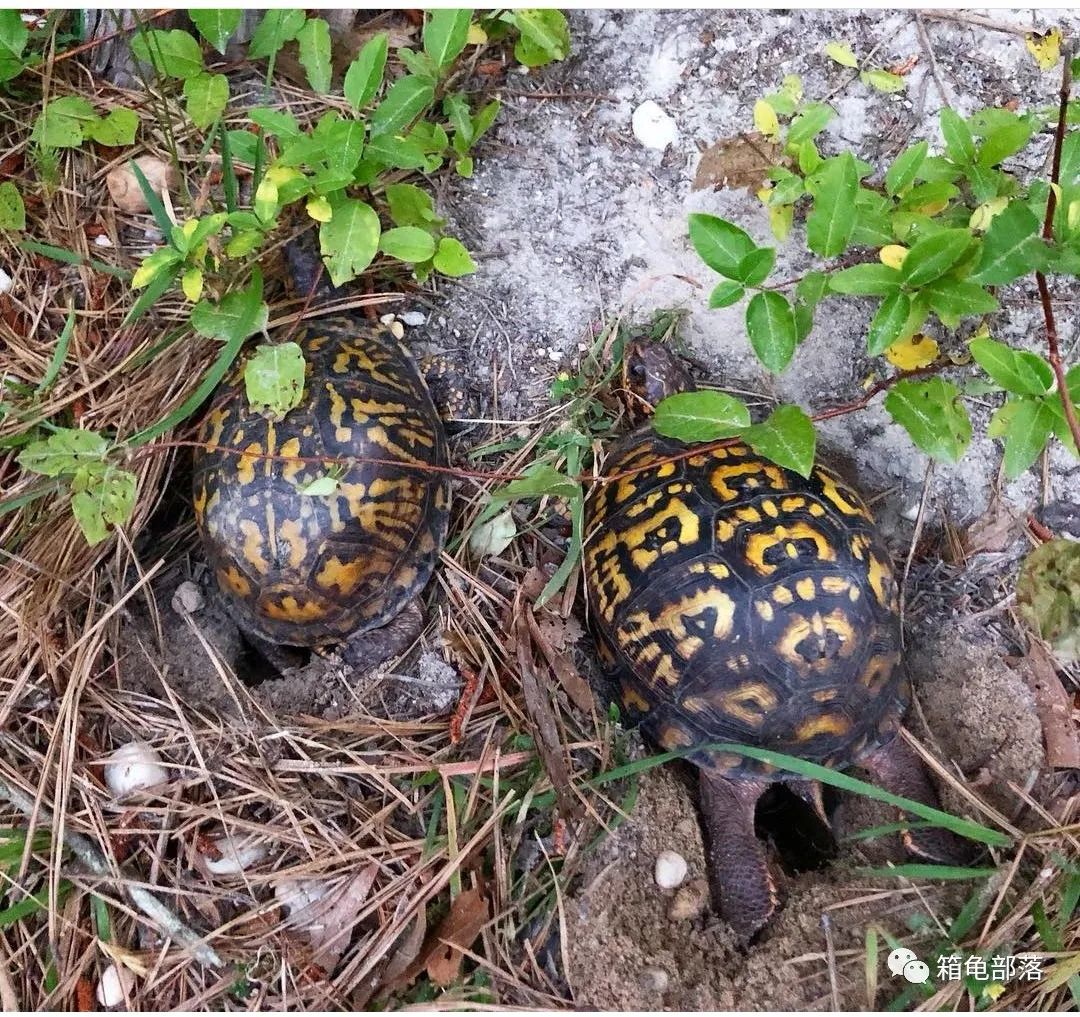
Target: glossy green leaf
[
  {"x": 539, "y": 480},
  {"x": 314, "y": 42},
  {"x": 60, "y": 124},
  {"x": 445, "y": 33},
  {"x": 1011, "y": 247},
  {"x": 869, "y": 279},
  {"x": 279, "y": 25},
  {"x": 365, "y": 73},
  {"x": 102, "y": 496},
  {"x": 452, "y": 259},
  {"x": 786, "y": 437},
  {"x": 953, "y": 299},
  {"x": 832, "y": 219},
  {"x": 705, "y": 415},
  {"x": 1003, "y": 141},
  {"x": 809, "y": 292},
  {"x": 405, "y": 100},
  {"x": 172, "y": 52},
  {"x": 1029, "y": 429},
  {"x": 545, "y": 36},
  {"x": 349, "y": 240},
  {"x": 959, "y": 142},
  {"x": 64, "y": 451},
  {"x": 206, "y": 95},
  {"x": 726, "y": 293},
  {"x": 770, "y": 325},
  {"x": 754, "y": 269},
  {"x": 115, "y": 130},
  {"x": 932, "y": 257},
  {"x": 883, "y": 81},
  {"x": 905, "y": 167},
  {"x": 933, "y": 415},
  {"x": 407, "y": 243},
  {"x": 720, "y": 244},
  {"x": 810, "y": 122},
  {"x": 216, "y": 26},
  {"x": 411, "y": 206},
  {"x": 888, "y": 323},
  {"x": 12, "y": 209},
  {"x": 14, "y": 36},
  {"x": 236, "y": 317},
  {"x": 1017, "y": 371}
]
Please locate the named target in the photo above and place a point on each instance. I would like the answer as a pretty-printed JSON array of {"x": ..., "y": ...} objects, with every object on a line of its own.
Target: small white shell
[
  {"x": 5, "y": 281},
  {"x": 671, "y": 870},
  {"x": 413, "y": 318},
  {"x": 132, "y": 767},
  {"x": 188, "y": 598},
  {"x": 653, "y": 127},
  {"x": 115, "y": 984},
  {"x": 238, "y": 854}
]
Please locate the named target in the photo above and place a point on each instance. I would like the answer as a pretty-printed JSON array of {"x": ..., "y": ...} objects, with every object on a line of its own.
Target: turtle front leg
[
  {"x": 367, "y": 650},
  {"x": 897, "y": 768},
  {"x": 738, "y": 866}
]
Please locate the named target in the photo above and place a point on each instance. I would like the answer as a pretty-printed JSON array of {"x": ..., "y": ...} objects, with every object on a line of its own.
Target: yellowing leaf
[
  {"x": 791, "y": 86},
  {"x": 910, "y": 354},
  {"x": 189, "y": 227},
  {"x": 282, "y": 174},
  {"x": 780, "y": 219},
  {"x": 883, "y": 81},
  {"x": 476, "y": 37},
  {"x": 192, "y": 283},
  {"x": 764, "y": 192},
  {"x": 766, "y": 121},
  {"x": 893, "y": 255},
  {"x": 993, "y": 990},
  {"x": 266, "y": 199},
  {"x": 982, "y": 332},
  {"x": 319, "y": 208},
  {"x": 932, "y": 207},
  {"x": 841, "y": 53},
  {"x": 1072, "y": 215},
  {"x": 984, "y": 214},
  {"x": 1045, "y": 47}
]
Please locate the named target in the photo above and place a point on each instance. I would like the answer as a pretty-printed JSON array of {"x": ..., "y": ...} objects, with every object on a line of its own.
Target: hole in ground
[
  {"x": 260, "y": 661},
  {"x": 803, "y": 842}
]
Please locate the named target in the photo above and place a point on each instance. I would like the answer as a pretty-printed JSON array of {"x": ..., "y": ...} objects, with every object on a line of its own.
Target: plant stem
[{"x": 1053, "y": 350}]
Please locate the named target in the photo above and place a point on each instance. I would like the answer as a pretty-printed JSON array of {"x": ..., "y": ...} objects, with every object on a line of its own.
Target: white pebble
[
  {"x": 101, "y": 240},
  {"x": 116, "y": 983},
  {"x": 413, "y": 318},
  {"x": 132, "y": 767},
  {"x": 654, "y": 979},
  {"x": 653, "y": 127},
  {"x": 237, "y": 854},
  {"x": 386, "y": 319},
  {"x": 297, "y": 895},
  {"x": 670, "y": 870},
  {"x": 397, "y": 330},
  {"x": 188, "y": 598},
  {"x": 5, "y": 281}
]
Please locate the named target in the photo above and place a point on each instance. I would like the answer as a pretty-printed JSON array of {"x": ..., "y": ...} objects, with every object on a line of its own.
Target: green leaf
[
  {"x": 1016, "y": 371},
  {"x": 700, "y": 416},
  {"x": 545, "y": 36},
  {"x": 238, "y": 316},
  {"x": 349, "y": 240},
  {"x": 929, "y": 197},
  {"x": 1029, "y": 429},
  {"x": 1003, "y": 141},
  {"x": 958, "y": 140},
  {"x": 405, "y": 100},
  {"x": 931, "y": 258},
  {"x": 809, "y": 292},
  {"x": 12, "y": 209},
  {"x": 754, "y": 269},
  {"x": 106, "y": 495},
  {"x": 274, "y": 378},
  {"x": 953, "y": 299},
  {"x": 720, "y": 244},
  {"x": 869, "y": 279},
  {"x": 1048, "y": 595},
  {"x": 445, "y": 34},
  {"x": 540, "y": 479},
  {"x": 216, "y": 26},
  {"x": 902, "y": 173},
  {"x": 726, "y": 293},
  {"x": 408, "y": 243},
  {"x": 452, "y": 259},
  {"x": 278, "y": 26},
  {"x": 770, "y": 325},
  {"x": 411, "y": 206},
  {"x": 810, "y": 122},
  {"x": 60, "y": 124},
  {"x": 829, "y": 225},
  {"x": 172, "y": 52},
  {"x": 365, "y": 73},
  {"x": 276, "y": 122},
  {"x": 118, "y": 128},
  {"x": 206, "y": 95},
  {"x": 1010, "y": 248},
  {"x": 933, "y": 415},
  {"x": 65, "y": 450},
  {"x": 873, "y": 220},
  {"x": 888, "y": 323},
  {"x": 841, "y": 53},
  {"x": 14, "y": 36},
  {"x": 786, "y": 437},
  {"x": 314, "y": 43},
  {"x": 883, "y": 81}
]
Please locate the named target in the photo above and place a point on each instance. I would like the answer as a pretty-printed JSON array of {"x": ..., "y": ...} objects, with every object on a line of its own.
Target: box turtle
[
  {"x": 738, "y": 602},
  {"x": 307, "y": 569}
]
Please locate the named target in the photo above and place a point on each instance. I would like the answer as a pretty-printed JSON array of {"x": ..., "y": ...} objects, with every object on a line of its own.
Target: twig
[
  {"x": 1053, "y": 350},
  {"x": 929, "y": 51},
  {"x": 160, "y": 914},
  {"x": 963, "y": 18}
]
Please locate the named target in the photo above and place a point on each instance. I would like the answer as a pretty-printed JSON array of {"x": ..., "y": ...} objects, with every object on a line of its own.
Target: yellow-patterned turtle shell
[
  {"x": 307, "y": 569},
  {"x": 739, "y": 602}
]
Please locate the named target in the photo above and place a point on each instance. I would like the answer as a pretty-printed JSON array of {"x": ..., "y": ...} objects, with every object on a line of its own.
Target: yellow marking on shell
[
  {"x": 289, "y": 609},
  {"x": 749, "y": 514},
  {"x": 292, "y": 535},
  {"x": 724, "y": 531},
  {"x": 832, "y": 492},
  {"x": 878, "y": 670},
  {"x": 726, "y": 762},
  {"x": 769, "y": 507},
  {"x": 269, "y": 463},
  {"x": 646, "y": 505},
  {"x": 337, "y": 406},
  {"x": 406, "y": 576},
  {"x": 792, "y": 503},
  {"x": 344, "y": 575},
  {"x": 764, "y": 608},
  {"x": 782, "y": 595},
  {"x": 696, "y": 462},
  {"x": 824, "y": 695},
  {"x": 816, "y": 509},
  {"x": 664, "y": 670},
  {"x": 750, "y": 703},
  {"x": 805, "y": 588},
  {"x": 853, "y": 594},
  {"x": 859, "y": 543},
  {"x": 835, "y": 724},
  {"x": 880, "y": 576},
  {"x": 245, "y": 466},
  {"x": 633, "y": 700},
  {"x": 234, "y": 580},
  {"x": 290, "y": 470},
  {"x": 758, "y": 543},
  {"x": 834, "y": 584},
  {"x": 215, "y": 425},
  {"x": 199, "y": 503},
  {"x": 352, "y": 358},
  {"x": 252, "y": 551},
  {"x": 672, "y": 737},
  {"x": 635, "y": 536}
]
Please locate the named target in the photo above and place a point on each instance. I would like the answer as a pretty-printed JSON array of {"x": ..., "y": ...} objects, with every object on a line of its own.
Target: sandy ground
[{"x": 572, "y": 221}]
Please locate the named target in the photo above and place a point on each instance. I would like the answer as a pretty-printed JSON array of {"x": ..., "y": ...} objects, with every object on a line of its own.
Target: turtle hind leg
[
  {"x": 367, "y": 650},
  {"x": 738, "y": 865},
  {"x": 897, "y": 768}
]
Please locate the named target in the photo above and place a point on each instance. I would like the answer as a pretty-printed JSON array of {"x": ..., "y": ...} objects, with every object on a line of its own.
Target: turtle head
[{"x": 654, "y": 372}]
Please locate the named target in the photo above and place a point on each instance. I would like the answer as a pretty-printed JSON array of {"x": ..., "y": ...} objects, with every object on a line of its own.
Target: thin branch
[
  {"x": 1052, "y": 347},
  {"x": 168, "y": 922}
]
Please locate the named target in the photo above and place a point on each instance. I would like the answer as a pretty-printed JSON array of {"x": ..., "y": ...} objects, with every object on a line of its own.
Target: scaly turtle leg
[
  {"x": 738, "y": 865},
  {"x": 368, "y": 650},
  {"x": 898, "y": 769}
]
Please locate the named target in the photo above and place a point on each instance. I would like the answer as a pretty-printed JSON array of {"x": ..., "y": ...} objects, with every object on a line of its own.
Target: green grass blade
[
  {"x": 228, "y": 170},
  {"x": 12, "y": 504},
  {"x": 158, "y": 285},
  {"x": 59, "y": 355},
  {"x": 916, "y": 870},
  {"x": 32, "y": 905},
  {"x": 153, "y": 200},
  {"x": 71, "y": 258},
  {"x": 885, "y": 830}
]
